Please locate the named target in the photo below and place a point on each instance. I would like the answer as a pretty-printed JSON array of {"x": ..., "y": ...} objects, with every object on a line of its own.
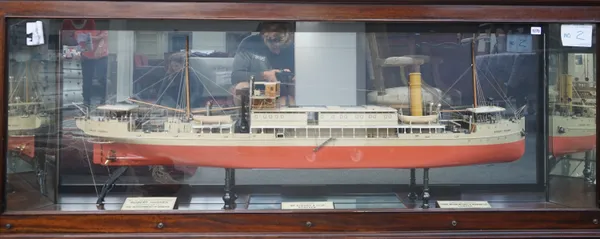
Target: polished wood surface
[
  {"x": 339, "y": 221},
  {"x": 307, "y": 12},
  {"x": 3, "y": 105},
  {"x": 349, "y": 221},
  {"x": 419, "y": 235},
  {"x": 421, "y": 2},
  {"x": 25, "y": 193},
  {"x": 571, "y": 192}
]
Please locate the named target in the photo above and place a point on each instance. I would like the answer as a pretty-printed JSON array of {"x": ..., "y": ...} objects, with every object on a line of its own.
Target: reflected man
[
  {"x": 264, "y": 55},
  {"x": 94, "y": 55}
]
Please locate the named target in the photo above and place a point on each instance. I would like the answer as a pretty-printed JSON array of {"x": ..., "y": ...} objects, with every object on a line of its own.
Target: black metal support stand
[
  {"x": 425, "y": 188},
  {"x": 40, "y": 166},
  {"x": 109, "y": 185},
  {"x": 412, "y": 195},
  {"x": 41, "y": 179},
  {"x": 229, "y": 197},
  {"x": 587, "y": 169}
]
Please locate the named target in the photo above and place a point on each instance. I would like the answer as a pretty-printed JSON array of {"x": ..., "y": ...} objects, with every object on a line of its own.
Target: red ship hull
[
  {"x": 23, "y": 145},
  {"x": 75, "y": 150},
  {"x": 562, "y": 145},
  {"x": 296, "y": 157}
]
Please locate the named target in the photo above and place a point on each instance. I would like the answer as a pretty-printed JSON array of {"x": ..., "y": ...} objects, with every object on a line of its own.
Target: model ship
[
  {"x": 264, "y": 134},
  {"x": 25, "y": 115},
  {"x": 573, "y": 117}
]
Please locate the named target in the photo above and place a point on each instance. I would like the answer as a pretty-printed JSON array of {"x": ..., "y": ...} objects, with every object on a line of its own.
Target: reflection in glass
[
  {"x": 30, "y": 119},
  {"x": 572, "y": 121},
  {"x": 573, "y": 101},
  {"x": 143, "y": 110}
]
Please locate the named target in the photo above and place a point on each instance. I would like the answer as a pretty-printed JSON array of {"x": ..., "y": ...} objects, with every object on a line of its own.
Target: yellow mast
[
  {"x": 565, "y": 84},
  {"x": 187, "y": 78},
  {"x": 474, "y": 72}
]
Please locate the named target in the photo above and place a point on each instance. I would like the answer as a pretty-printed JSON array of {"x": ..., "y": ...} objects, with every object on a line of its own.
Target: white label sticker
[
  {"x": 306, "y": 205},
  {"x": 463, "y": 204},
  {"x": 576, "y": 35},
  {"x": 149, "y": 203},
  {"x": 536, "y": 30},
  {"x": 519, "y": 43},
  {"x": 35, "y": 33}
]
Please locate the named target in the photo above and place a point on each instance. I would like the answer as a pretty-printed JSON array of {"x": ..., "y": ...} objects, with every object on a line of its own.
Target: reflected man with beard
[{"x": 265, "y": 54}]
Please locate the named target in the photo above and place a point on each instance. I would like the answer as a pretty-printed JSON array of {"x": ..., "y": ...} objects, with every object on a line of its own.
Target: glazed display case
[{"x": 337, "y": 118}]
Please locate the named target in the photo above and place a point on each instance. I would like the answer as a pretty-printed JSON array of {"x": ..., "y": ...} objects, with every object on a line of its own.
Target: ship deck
[{"x": 400, "y": 126}]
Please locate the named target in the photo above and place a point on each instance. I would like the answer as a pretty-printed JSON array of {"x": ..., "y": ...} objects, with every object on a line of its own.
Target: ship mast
[
  {"x": 474, "y": 72},
  {"x": 26, "y": 86},
  {"x": 187, "y": 77}
]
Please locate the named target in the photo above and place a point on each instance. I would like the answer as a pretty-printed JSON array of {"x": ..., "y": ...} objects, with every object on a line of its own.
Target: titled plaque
[
  {"x": 464, "y": 204},
  {"x": 149, "y": 203},
  {"x": 306, "y": 205}
]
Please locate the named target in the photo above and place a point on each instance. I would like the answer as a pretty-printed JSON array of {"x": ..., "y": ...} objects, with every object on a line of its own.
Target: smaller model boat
[
  {"x": 25, "y": 116},
  {"x": 572, "y": 117}
]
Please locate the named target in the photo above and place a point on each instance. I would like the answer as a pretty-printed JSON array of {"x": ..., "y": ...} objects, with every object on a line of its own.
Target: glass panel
[
  {"x": 572, "y": 115},
  {"x": 250, "y": 115},
  {"x": 32, "y": 129}
]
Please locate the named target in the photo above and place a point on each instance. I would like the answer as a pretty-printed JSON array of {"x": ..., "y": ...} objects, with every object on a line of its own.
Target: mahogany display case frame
[{"x": 513, "y": 223}]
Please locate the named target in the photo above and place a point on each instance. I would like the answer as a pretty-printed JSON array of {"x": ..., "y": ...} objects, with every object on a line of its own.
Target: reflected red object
[
  {"x": 22, "y": 144},
  {"x": 562, "y": 145},
  {"x": 77, "y": 150}
]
